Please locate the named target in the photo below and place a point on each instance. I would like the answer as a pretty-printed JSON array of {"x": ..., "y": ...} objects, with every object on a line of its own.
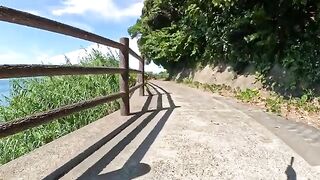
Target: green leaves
[
  {"x": 261, "y": 33},
  {"x": 32, "y": 95}
]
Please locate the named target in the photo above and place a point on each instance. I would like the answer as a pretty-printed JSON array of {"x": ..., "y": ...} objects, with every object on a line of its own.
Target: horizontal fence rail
[
  {"x": 135, "y": 71},
  {"x": 19, "y": 71},
  {"x": 134, "y": 54},
  {"x": 132, "y": 89},
  {"x": 27, "y": 19},
  {"x": 19, "y": 125},
  {"x": 22, "y": 70}
]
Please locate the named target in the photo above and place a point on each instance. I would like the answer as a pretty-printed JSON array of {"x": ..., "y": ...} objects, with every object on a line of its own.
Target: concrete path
[{"x": 179, "y": 133}]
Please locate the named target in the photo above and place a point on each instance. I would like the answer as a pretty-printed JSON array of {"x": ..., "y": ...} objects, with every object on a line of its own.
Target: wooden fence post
[
  {"x": 124, "y": 77},
  {"x": 141, "y": 77}
]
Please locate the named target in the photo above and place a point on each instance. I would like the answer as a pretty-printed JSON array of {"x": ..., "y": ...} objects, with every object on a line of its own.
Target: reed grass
[{"x": 32, "y": 95}]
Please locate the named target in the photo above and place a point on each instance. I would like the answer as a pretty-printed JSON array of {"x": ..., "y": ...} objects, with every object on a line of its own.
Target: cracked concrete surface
[{"x": 183, "y": 133}]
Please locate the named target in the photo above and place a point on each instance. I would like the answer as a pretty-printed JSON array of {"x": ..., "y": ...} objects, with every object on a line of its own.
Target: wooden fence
[{"x": 17, "y": 71}]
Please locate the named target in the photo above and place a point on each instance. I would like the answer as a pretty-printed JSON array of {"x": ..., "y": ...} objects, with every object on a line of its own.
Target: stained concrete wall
[
  {"x": 222, "y": 74},
  {"x": 278, "y": 79}
]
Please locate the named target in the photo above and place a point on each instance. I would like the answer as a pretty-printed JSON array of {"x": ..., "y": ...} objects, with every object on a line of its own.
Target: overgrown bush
[
  {"x": 162, "y": 75},
  {"x": 176, "y": 34},
  {"x": 248, "y": 95},
  {"x": 32, "y": 95}
]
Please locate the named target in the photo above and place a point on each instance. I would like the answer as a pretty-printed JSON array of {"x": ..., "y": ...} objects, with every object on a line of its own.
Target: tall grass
[{"x": 32, "y": 95}]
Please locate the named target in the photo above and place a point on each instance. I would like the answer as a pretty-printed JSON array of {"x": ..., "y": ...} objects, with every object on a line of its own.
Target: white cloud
[
  {"x": 46, "y": 57},
  {"x": 71, "y": 23},
  {"x": 75, "y": 56},
  {"x": 11, "y": 56},
  {"x": 14, "y": 57},
  {"x": 107, "y": 9}
]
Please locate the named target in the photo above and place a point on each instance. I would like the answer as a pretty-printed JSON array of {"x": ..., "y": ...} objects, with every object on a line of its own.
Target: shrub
[
  {"x": 32, "y": 95},
  {"x": 178, "y": 34}
]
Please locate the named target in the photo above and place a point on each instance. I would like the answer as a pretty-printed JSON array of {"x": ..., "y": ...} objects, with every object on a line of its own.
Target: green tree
[{"x": 176, "y": 34}]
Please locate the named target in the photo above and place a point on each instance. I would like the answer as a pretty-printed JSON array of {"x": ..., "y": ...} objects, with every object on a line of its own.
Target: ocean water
[{"x": 4, "y": 88}]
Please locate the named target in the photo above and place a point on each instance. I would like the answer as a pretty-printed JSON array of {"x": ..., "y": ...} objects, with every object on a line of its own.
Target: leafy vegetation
[
  {"x": 32, "y": 95},
  {"x": 177, "y": 34},
  {"x": 248, "y": 95},
  {"x": 162, "y": 75}
]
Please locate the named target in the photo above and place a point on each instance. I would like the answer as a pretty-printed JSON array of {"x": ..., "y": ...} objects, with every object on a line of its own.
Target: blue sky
[{"x": 24, "y": 45}]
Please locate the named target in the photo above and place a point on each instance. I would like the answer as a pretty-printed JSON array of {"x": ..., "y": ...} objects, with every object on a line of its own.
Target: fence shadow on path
[{"x": 132, "y": 167}]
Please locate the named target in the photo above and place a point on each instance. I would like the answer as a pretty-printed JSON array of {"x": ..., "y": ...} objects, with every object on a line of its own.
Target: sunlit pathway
[{"x": 176, "y": 133}]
